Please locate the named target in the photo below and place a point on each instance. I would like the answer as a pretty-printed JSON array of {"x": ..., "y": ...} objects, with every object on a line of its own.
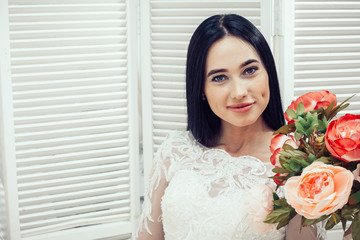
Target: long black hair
[{"x": 202, "y": 122}]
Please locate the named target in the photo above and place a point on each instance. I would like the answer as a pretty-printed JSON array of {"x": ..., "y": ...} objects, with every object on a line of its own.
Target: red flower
[
  {"x": 276, "y": 145},
  {"x": 276, "y": 180},
  {"x": 342, "y": 138},
  {"x": 312, "y": 101}
]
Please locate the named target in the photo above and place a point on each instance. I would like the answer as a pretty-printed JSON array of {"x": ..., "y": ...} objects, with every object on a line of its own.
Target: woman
[{"x": 201, "y": 177}]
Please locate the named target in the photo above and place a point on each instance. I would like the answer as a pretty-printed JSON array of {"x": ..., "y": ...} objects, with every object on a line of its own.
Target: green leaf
[
  {"x": 296, "y": 154},
  {"x": 300, "y": 109},
  {"x": 311, "y": 157},
  {"x": 281, "y": 203},
  {"x": 285, "y": 129},
  {"x": 329, "y": 108},
  {"x": 287, "y": 147},
  {"x": 337, "y": 109},
  {"x": 283, "y": 222},
  {"x": 309, "y": 222},
  {"x": 277, "y": 215},
  {"x": 311, "y": 129},
  {"x": 342, "y": 107},
  {"x": 348, "y": 99},
  {"x": 295, "y": 166},
  {"x": 343, "y": 223},
  {"x": 287, "y": 166},
  {"x": 304, "y": 163},
  {"x": 323, "y": 124},
  {"x": 280, "y": 177},
  {"x": 305, "y": 124},
  {"x": 348, "y": 212},
  {"x": 325, "y": 160},
  {"x": 332, "y": 221},
  {"x": 286, "y": 220},
  {"x": 283, "y": 160},
  {"x": 280, "y": 170},
  {"x": 275, "y": 196},
  {"x": 355, "y": 227},
  {"x": 291, "y": 113},
  {"x": 298, "y": 135},
  {"x": 300, "y": 128}
]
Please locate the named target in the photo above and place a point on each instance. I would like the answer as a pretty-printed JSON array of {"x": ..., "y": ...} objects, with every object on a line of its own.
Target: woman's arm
[
  {"x": 151, "y": 227},
  {"x": 150, "y": 222},
  {"x": 295, "y": 231}
]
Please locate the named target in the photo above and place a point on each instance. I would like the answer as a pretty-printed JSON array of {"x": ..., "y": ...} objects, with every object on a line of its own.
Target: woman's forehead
[{"x": 230, "y": 49}]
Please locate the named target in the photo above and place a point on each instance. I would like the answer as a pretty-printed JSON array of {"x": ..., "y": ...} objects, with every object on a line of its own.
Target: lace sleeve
[{"x": 150, "y": 226}]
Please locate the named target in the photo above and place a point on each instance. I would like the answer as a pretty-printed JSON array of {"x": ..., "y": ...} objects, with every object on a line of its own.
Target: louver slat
[
  {"x": 327, "y": 49},
  {"x": 71, "y": 111}
]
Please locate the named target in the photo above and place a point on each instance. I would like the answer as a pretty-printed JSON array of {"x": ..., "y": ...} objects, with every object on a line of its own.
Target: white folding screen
[
  {"x": 73, "y": 96},
  {"x": 327, "y": 49},
  {"x": 166, "y": 28},
  {"x": 69, "y": 127}
]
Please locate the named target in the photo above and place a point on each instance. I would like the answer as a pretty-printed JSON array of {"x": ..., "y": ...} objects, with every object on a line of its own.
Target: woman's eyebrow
[
  {"x": 248, "y": 62},
  {"x": 214, "y": 71}
]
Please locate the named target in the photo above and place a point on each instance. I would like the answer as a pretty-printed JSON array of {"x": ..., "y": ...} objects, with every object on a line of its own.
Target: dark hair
[{"x": 202, "y": 122}]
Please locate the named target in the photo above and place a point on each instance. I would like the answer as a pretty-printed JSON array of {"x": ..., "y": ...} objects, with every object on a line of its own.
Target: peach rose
[
  {"x": 320, "y": 190},
  {"x": 276, "y": 145},
  {"x": 342, "y": 138},
  {"x": 312, "y": 101},
  {"x": 259, "y": 203}
]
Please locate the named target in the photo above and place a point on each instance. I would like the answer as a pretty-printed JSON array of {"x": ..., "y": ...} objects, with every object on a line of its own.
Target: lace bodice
[{"x": 205, "y": 191}]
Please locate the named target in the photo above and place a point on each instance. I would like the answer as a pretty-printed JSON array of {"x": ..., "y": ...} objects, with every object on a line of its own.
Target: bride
[{"x": 201, "y": 177}]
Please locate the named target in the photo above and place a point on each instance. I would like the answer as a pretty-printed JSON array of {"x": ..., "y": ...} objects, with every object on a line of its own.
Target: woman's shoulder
[
  {"x": 176, "y": 139},
  {"x": 179, "y": 145}
]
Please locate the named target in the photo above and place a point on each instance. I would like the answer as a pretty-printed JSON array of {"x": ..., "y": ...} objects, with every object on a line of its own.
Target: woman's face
[{"x": 236, "y": 84}]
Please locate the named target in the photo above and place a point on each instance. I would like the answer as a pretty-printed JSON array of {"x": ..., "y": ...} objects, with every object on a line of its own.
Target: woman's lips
[{"x": 241, "y": 108}]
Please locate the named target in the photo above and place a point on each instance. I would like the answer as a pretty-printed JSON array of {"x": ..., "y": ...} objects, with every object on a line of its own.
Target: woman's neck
[{"x": 251, "y": 140}]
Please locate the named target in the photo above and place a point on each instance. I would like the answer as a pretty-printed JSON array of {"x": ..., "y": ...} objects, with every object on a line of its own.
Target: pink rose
[
  {"x": 259, "y": 203},
  {"x": 312, "y": 101},
  {"x": 276, "y": 146},
  {"x": 342, "y": 138},
  {"x": 320, "y": 190}
]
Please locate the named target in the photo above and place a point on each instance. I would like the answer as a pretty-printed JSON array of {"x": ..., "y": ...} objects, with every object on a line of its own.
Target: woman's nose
[{"x": 238, "y": 89}]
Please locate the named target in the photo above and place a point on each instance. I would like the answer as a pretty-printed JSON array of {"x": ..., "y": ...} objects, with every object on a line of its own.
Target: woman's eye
[
  {"x": 250, "y": 70},
  {"x": 219, "y": 78}
]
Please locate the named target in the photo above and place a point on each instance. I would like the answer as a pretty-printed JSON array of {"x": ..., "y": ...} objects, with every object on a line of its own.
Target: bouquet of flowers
[{"x": 316, "y": 159}]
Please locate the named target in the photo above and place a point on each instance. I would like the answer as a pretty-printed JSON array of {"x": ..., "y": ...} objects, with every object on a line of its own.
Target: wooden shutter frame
[
  {"x": 7, "y": 129},
  {"x": 8, "y": 151}
]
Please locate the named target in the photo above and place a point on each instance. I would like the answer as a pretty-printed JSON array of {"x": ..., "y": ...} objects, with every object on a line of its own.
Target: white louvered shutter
[
  {"x": 327, "y": 49},
  {"x": 166, "y": 30},
  {"x": 74, "y": 91}
]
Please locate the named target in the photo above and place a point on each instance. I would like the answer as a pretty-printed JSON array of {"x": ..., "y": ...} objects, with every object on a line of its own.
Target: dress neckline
[{"x": 204, "y": 149}]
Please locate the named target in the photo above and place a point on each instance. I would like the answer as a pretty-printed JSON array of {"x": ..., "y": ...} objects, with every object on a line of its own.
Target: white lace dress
[{"x": 204, "y": 197}]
